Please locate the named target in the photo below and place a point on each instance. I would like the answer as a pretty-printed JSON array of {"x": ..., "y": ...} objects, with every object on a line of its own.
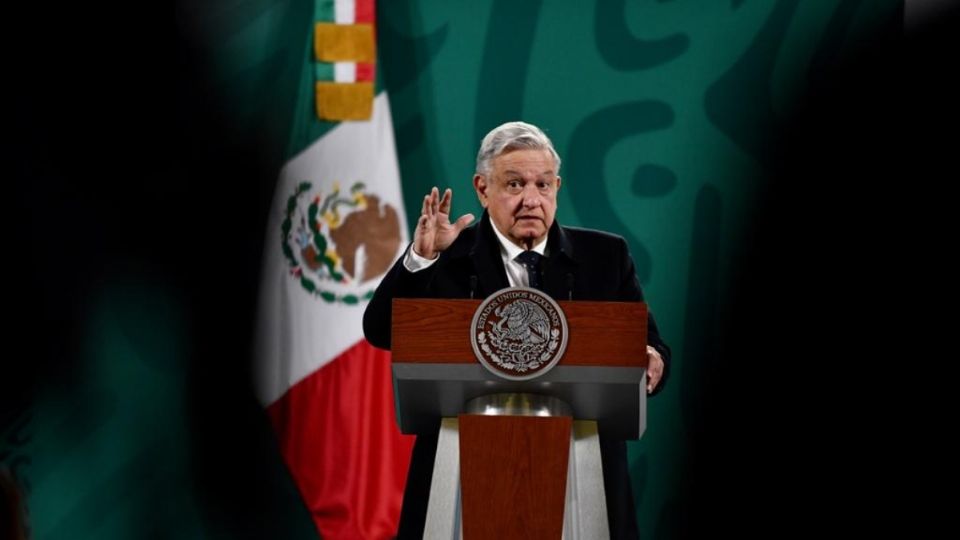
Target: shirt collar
[{"x": 512, "y": 250}]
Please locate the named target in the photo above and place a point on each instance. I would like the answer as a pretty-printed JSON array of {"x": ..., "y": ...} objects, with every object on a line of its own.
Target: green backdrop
[{"x": 664, "y": 112}]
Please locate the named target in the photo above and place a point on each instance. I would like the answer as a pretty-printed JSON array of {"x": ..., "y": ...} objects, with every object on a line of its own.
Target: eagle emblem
[{"x": 519, "y": 333}]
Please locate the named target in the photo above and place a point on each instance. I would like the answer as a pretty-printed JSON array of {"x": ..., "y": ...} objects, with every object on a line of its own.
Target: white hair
[{"x": 512, "y": 136}]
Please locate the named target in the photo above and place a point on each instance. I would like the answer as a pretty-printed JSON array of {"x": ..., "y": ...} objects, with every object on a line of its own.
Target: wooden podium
[{"x": 519, "y": 459}]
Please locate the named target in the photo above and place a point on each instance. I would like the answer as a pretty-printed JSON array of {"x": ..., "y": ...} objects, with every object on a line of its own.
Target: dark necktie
[{"x": 531, "y": 261}]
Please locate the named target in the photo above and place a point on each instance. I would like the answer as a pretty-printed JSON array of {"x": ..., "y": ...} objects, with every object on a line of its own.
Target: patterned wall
[{"x": 667, "y": 114}]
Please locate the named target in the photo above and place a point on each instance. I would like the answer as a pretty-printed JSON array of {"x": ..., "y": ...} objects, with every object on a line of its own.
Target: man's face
[{"x": 520, "y": 193}]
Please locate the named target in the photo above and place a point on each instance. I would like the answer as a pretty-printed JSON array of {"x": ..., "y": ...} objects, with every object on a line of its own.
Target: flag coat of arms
[{"x": 336, "y": 225}]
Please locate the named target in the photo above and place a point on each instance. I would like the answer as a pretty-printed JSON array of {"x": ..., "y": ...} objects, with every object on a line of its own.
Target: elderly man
[{"x": 516, "y": 243}]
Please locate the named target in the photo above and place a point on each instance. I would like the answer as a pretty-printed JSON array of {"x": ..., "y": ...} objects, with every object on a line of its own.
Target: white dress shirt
[{"x": 516, "y": 273}]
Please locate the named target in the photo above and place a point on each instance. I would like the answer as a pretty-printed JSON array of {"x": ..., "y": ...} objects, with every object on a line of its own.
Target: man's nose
[{"x": 531, "y": 197}]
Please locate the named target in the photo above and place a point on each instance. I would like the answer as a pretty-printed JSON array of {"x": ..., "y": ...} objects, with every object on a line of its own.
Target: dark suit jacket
[{"x": 583, "y": 264}]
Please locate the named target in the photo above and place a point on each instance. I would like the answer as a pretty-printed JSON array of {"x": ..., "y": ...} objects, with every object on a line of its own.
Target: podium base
[{"x": 585, "y": 508}]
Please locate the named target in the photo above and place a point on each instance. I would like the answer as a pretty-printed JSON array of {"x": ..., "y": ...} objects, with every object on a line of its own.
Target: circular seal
[{"x": 519, "y": 333}]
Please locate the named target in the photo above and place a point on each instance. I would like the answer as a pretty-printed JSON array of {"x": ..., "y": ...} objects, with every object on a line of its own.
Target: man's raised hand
[{"x": 434, "y": 231}]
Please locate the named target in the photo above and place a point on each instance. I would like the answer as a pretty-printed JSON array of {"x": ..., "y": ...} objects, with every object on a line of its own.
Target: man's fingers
[
  {"x": 653, "y": 380},
  {"x": 654, "y": 368},
  {"x": 445, "y": 202},
  {"x": 463, "y": 221},
  {"x": 434, "y": 201}
]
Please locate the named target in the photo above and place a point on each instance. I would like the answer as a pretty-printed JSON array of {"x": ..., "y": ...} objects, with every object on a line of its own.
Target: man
[{"x": 517, "y": 240}]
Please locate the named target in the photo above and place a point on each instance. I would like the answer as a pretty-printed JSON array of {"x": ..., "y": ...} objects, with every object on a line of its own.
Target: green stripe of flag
[
  {"x": 323, "y": 71},
  {"x": 324, "y": 11}
]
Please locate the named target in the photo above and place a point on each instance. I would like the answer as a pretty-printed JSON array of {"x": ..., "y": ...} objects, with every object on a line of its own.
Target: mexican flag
[{"x": 337, "y": 223}]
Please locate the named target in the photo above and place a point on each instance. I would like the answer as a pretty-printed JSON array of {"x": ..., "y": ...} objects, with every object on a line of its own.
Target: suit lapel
[
  {"x": 559, "y": 265},
  {"x": 485, "y": 255}
]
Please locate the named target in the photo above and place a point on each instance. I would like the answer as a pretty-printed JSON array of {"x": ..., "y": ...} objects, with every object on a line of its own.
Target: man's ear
[
  {"x": 480, "y": 185},
  {"x": 558, "y": 183}
]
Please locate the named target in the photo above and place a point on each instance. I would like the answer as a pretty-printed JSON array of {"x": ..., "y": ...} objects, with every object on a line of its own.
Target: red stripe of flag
[
  {"x": 364, "y": 11},
  {"x": 365, "y": 72},
  {"x": 338, "y": 435}
]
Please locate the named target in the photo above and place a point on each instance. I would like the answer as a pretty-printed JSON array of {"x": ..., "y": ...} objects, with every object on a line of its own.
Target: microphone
[
  {"x": 473, "y": 286},
  {"x": 569, "y": 281}
]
